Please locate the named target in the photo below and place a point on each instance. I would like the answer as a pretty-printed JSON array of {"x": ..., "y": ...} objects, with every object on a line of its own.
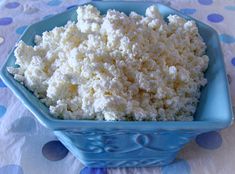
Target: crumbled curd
[{"x": 116, "y": 67}]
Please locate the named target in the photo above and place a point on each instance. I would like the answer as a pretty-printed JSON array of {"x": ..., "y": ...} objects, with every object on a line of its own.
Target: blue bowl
[{"x": 132, "y": 143}]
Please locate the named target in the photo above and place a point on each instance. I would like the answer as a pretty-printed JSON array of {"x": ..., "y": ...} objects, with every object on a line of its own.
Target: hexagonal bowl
[{"x": 131, "y": 143}]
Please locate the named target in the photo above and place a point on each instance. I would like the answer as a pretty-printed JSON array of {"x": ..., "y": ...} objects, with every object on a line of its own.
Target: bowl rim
[{"x": 57, "y": 124}]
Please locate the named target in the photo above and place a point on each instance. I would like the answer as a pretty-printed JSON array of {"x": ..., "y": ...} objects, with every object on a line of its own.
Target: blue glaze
[
  {"x": 229, "y": 79},
  {"x": 125, "y": 143},
  {"x": 2, "y": 85},
  {"x": 48, "y": 16},
  {"x": 72, "y": 6},
  {"x": 20, "y": 30},
  {"x": 88, "y": 170}
]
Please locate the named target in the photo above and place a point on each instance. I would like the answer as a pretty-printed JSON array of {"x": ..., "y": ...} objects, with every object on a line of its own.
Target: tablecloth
[{"x": 26, "y": 147}]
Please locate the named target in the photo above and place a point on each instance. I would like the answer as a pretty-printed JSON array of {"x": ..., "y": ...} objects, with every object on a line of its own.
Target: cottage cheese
[{"x": 116, "y": 67}]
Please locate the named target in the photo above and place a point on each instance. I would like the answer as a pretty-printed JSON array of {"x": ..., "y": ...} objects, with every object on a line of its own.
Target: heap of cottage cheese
[{"x": 116, "y": 67}]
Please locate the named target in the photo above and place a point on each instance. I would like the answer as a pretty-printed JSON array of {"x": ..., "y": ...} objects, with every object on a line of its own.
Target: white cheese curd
[{"x": 116, "y": 67}]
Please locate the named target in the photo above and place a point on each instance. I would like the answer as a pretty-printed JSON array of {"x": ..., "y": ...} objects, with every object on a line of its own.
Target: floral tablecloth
[{"x": 26, "y": 147}]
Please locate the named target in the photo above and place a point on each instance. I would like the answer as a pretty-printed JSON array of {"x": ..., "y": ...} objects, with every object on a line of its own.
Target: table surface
[{"x": 26, "y": 147}]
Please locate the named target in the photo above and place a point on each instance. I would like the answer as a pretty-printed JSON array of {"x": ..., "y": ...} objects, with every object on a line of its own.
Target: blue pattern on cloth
[{"x": 29, "y": 148}]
